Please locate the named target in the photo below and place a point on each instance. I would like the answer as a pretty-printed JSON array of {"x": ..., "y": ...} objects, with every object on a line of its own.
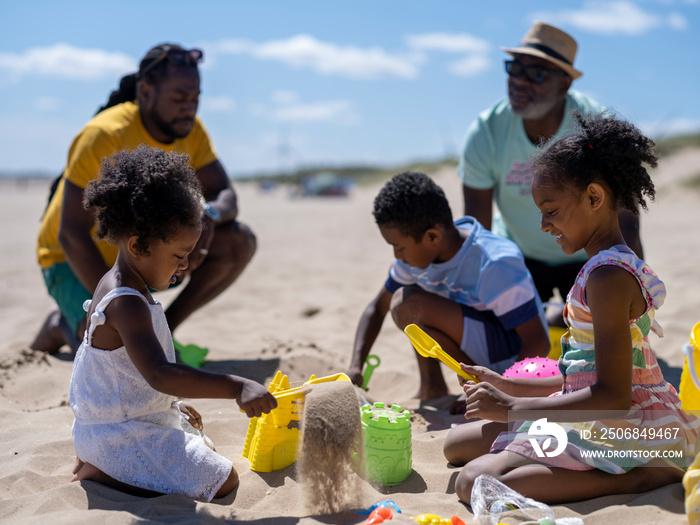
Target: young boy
[{"x": 466, "y": 287}]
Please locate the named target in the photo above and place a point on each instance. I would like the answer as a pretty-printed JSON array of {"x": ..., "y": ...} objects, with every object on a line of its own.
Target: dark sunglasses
[
  {"x": 178, "y": 57},
  {"x": 534, "y": 74}
]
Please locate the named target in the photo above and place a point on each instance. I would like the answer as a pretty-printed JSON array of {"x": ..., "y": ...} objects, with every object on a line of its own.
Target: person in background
[
  {"x": 494, "y": 166},
  {"x": 156, "y": 106}
]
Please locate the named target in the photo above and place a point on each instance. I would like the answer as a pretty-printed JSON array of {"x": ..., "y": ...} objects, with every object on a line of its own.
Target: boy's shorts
[
  {"x": 68, "y": 292},
  {"x": 486, "y": 342},
  {"x": 547, "y": 277}
]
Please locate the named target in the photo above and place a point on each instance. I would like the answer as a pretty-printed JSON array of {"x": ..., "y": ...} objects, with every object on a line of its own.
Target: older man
[
  {"x": 494, "y": 164},
  {"x": 156, "y": 106}
]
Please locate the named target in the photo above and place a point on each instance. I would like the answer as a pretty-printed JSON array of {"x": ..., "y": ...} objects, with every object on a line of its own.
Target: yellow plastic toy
[
  {"x": 690, "y": 384},
  {"x": 555, "y": 333},
  {"x": 434, "y": 519},
  {"x": 690, "y": 401},
  {"x": 428, "y": 347},
  {"x": 272, "y": 439}
]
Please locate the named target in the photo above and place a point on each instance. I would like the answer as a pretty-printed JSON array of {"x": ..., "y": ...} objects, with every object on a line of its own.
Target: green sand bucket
[{"x": 386, "y": 437}]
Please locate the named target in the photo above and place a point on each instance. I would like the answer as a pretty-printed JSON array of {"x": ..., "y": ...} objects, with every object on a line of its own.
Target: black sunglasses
[
  {"x": 177, "y": 57},
  {"x": 534, "y": 74}
]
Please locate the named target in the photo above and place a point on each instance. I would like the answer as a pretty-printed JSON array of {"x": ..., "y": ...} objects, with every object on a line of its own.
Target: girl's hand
[
  {"x": 193, "y": 417},
  {"x": 482, "y": 374},
  {"x": 255, "y": 399},
  {"x": 485, "y": 401}
]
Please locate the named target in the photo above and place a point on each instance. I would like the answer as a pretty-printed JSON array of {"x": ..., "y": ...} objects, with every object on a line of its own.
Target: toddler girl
[{"x": 129, "y": 430}]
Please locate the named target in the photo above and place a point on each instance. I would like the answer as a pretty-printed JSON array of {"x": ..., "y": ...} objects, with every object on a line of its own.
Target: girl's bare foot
[
  {"x": 78, "y": 465},
  {"x": 86, "y": 471}
]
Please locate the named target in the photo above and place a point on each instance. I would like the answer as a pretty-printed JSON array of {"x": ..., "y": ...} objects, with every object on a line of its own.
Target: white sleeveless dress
[{"x": 129, "y": 430}]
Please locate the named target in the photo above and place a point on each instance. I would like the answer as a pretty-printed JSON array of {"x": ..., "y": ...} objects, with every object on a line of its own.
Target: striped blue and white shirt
[{"x": 487, "y": 273}]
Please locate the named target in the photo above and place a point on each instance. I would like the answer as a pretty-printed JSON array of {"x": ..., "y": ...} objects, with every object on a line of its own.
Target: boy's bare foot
[
  {"x": 53, "y": 334},
  {"x": 430, "y": 392}
]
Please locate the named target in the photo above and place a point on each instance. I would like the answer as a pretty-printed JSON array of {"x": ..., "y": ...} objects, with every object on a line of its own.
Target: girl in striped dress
[{"x": 611, "y": 411}]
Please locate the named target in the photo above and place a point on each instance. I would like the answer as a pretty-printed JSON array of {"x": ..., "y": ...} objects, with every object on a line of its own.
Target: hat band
[{"x": 547, "y": 51}]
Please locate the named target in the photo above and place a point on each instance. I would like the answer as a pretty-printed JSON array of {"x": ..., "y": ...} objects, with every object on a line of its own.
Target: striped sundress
[{"x": 655, "y": 426}]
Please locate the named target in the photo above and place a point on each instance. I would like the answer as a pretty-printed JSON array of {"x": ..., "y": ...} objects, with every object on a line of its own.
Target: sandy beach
[{"x": 295, "y": 309}]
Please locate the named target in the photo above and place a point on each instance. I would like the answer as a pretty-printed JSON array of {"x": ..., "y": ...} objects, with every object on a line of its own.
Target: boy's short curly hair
[
  {"x": 146, "y": 192},
  {"x": 603, "y": 149},
  {"x": 412, "y": 203}
]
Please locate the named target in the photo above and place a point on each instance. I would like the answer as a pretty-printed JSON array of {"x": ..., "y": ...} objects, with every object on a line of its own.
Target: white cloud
[
  {"x": 304, "y": 51},
  {"x": 677, "y": 21},
  {"x": 670, "y": 128},
  {"x": 66, "y": 61},
  {"x": 47, "y": 104},
  {"x": 619, "y": 17},
  {"x": 284, "y": 96},
  {"x": 449, "y": 43},
  {"x": 220, "y": 103},
  {"x": 339, "y": 111},
  {"x": 668, "y": 2},
  {"x": 470, "y": 66},
  {"x": 231, "y": 46},
  {"x": 474, "y": 49}
]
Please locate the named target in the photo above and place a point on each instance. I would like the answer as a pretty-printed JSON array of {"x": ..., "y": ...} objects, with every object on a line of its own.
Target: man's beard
[{"x": 168, "y": 129}]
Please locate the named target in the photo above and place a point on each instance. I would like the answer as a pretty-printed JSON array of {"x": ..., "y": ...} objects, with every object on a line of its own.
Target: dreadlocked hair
[
  {"x": 412, "y": 203},
  {"x": 128, "y": 83},
  {"x": 146, "y": 192},
  {"x": 606, "y": 150}
]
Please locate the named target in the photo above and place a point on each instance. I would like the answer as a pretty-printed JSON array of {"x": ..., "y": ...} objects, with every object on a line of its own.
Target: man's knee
[
  {"x": 243, "y": 239},
  {"x": 236, "y": 241}
]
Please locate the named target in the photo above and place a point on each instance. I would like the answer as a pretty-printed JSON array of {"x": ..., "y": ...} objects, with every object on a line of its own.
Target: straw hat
[{"x": 550, "y": 43}]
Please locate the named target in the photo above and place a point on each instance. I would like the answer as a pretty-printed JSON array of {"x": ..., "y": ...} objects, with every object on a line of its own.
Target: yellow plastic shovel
[{"x": 428, "y": 347}]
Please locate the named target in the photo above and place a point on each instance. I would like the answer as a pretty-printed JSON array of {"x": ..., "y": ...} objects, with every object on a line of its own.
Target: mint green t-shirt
[{"x": 495, "y": 156}]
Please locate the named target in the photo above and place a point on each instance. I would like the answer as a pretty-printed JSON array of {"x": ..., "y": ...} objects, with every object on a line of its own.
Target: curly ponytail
[{"x": 606, "y": 150}]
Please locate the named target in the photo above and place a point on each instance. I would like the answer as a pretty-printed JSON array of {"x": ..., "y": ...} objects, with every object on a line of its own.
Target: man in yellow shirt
[{"x": 158, "y": 107}]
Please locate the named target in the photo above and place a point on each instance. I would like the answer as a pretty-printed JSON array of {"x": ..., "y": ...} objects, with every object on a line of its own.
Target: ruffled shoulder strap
[
  {"x": 98, "y": 316},
  {"x": 653, "y": 288}
]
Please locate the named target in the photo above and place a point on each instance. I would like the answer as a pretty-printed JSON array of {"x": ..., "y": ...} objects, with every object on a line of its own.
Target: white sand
[{"x": 295, "y": 309}]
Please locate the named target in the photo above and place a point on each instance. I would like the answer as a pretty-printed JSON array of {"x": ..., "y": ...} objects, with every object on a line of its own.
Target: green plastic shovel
[{"x": 428, "y": 347}]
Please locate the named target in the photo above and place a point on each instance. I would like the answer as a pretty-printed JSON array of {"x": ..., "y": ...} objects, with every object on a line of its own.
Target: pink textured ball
[{"x": 534, "y": 367}]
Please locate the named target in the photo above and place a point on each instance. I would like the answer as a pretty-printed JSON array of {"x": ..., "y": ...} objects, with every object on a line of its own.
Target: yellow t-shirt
[{"x": 114, "y": 129}]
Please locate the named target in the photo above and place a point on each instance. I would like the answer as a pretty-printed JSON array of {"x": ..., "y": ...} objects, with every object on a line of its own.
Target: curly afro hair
[
  {"x": 606, "y": 150},
  {"x": 146, "y": 192},
  {"x": 412, "y": 203}
]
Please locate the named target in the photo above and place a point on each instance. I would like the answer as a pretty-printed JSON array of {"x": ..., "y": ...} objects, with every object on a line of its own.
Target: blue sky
[{"x": 302, "y": 83}]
